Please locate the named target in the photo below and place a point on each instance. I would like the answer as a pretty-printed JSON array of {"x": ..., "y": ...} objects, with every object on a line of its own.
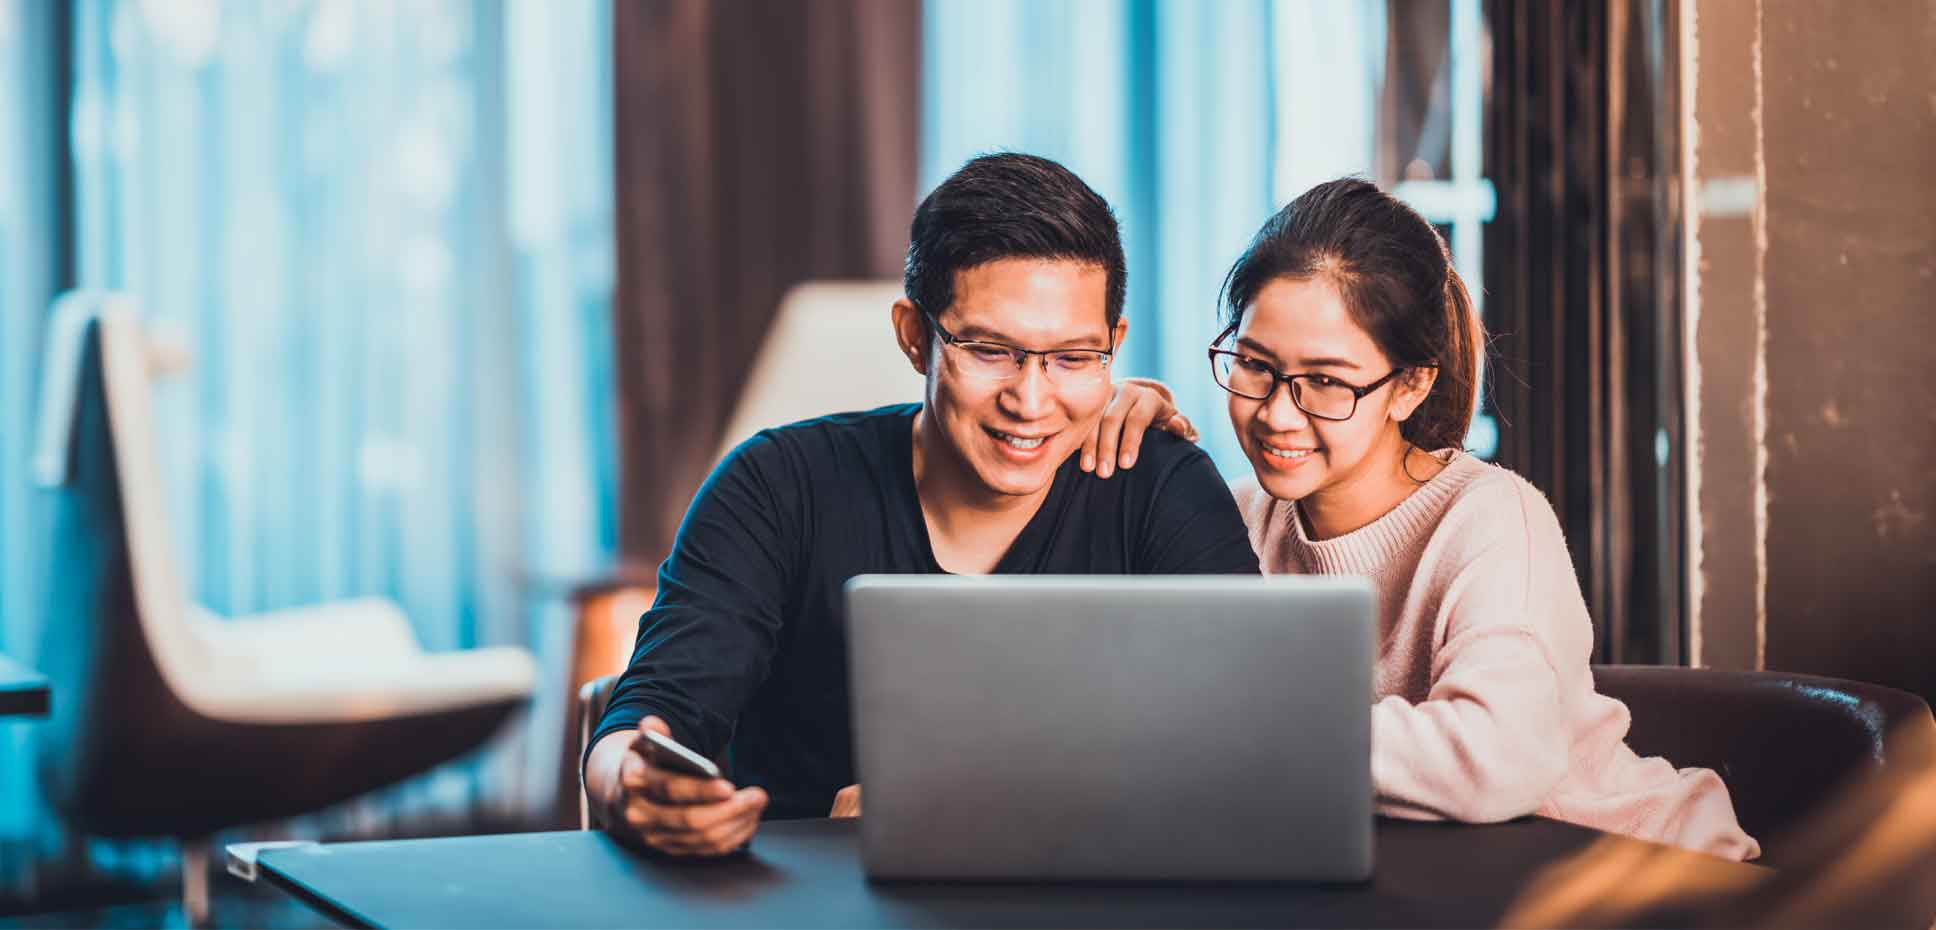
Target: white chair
[
  {"x": 170, "y": 722},
  {"x": 830, "y": 350}
]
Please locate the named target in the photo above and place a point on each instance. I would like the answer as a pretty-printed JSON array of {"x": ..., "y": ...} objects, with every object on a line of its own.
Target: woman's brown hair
[{"x": 1396, "y": 276}]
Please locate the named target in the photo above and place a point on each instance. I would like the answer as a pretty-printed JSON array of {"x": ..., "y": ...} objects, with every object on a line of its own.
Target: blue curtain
[
  {"x": 384, "y": 232},
  {"x": 32, "y": 259},
  {"x": 1196, "y": 120}
]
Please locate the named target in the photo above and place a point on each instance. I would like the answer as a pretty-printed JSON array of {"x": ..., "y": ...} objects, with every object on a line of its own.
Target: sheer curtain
[
  {"x": 1197, "y": 121},
  {"x": 384, "y": 231},
  {"x": 33, "y": 267}
]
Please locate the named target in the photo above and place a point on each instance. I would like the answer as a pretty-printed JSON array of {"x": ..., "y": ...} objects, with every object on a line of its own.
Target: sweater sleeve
[
  {"x": 708, "y": 642},
  {"x": 1490, "y": 740}
]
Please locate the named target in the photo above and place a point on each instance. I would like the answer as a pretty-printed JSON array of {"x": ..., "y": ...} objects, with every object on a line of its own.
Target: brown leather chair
[{"x": 1784, "y": 743}]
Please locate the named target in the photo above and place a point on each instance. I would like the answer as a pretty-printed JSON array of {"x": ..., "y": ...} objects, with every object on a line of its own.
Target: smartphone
[{"x": 671, "y": 755}]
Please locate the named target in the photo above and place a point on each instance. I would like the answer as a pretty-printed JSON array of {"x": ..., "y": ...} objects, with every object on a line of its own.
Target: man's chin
[{"x": 1011, "y": 481}]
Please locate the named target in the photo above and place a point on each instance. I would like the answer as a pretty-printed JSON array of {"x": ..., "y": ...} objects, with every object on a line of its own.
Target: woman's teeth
[
  {"x": 1288, "y": 453},
  {"x": 1018, "y": 442}
]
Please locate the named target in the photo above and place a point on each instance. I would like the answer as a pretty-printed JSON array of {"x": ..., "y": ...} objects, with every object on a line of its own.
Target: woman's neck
[{"x": 1359, "y": 500}]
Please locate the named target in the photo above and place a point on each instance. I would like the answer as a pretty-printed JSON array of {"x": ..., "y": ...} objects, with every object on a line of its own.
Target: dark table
[
  {"x": 807, "y": 873},
  {"x": 23, "y": 691}
]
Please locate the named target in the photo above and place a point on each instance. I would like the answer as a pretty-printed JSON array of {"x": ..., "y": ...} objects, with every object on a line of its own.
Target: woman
[{"x": 1351, "y": 360}]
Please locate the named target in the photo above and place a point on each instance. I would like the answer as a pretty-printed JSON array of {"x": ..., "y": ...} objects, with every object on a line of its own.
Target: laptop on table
[{"x": 1113, "y": 728}]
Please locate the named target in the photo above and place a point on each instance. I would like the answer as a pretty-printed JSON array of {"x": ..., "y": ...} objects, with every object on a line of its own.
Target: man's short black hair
[{"x": 1010, "y": 205}]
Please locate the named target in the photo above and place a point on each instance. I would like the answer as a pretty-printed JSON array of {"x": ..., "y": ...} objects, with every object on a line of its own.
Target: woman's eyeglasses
[{"x": 1320, "y": 396}]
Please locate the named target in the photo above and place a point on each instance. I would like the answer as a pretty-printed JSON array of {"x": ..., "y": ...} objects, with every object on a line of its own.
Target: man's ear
[
  {"x": 911, "y": 334},
  {"x": 1121, "y": 333},
  {"x": 1411, "y": 390}
]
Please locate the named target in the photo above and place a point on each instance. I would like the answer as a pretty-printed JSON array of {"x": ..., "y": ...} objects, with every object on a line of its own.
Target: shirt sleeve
[
  {"x": 1193, "y": 527},
  {"x": 1491, "y": 740},
  {"x": 708, "y": 642}
]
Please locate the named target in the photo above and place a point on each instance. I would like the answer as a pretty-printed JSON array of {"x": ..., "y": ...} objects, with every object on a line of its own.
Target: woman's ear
[
  {"x": 1413, "y": 387},
  {"x": 911, "y": 334}
]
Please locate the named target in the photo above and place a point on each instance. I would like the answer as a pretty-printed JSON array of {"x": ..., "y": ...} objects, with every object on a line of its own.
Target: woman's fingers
[
  {"x": 1101, "y": 446},
  {"x": 1135, "y": 407},
  {"x": 1172, "y": 422},
  {"x": 1181, "y": 426},
  {"x": 1134, "y": 426}
]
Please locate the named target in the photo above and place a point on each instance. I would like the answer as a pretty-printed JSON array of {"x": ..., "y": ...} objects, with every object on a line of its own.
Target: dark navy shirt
[{"x": 744, "y": 653}]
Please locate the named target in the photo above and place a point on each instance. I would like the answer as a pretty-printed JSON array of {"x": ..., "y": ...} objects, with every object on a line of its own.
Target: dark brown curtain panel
[{"x": 758, "y": 145}]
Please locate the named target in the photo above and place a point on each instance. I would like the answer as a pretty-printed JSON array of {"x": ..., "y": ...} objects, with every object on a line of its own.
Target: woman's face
[{"x": 1301, "y": 326}]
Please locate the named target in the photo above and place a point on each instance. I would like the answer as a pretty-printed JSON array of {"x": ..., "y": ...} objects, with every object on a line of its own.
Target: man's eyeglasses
[
  {"x": 1320, "y": 396},
  {"x": 997, "y": 361}
]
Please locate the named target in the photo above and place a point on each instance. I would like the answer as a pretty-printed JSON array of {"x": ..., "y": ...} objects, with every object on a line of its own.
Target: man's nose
[{"x": 1032, "y": 394}]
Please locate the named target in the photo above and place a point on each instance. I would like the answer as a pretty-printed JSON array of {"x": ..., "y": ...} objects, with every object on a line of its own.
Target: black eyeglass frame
[
  {"x": 1277, "y": 377},
  {"x": 1105, "y": 356}
]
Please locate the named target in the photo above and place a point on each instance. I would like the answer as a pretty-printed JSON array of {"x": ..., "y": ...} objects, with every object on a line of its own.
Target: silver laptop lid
[{"x": 1113, "y": 727}]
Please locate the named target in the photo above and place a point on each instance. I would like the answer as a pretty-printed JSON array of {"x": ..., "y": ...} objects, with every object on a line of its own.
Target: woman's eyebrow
[
  {"x": 1330, "y": 362},
  {"x": 1256, "y": 348},
  {"x": 1326, "y": 361}
]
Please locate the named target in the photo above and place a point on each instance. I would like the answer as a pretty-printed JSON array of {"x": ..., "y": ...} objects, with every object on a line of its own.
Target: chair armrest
[
  {"x": 343, "y": 662},
  {"x": 593, "y": 696},
  {"x": 371, "y": 632},
  {"x": 355, "y": 692}
]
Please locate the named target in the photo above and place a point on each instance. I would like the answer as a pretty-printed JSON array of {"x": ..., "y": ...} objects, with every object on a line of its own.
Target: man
[{"x": 1013, "y": 313}]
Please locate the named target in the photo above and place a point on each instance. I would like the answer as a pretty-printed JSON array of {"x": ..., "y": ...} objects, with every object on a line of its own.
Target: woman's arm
[
  {"x": 1509, "y": 641},
  {"x": 1489, "y": 743}
]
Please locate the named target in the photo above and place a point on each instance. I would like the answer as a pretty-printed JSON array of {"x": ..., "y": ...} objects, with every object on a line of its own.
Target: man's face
[{"x": 1012, "y": 428}]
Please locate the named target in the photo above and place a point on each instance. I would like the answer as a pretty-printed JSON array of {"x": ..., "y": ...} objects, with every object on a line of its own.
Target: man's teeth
[
  {"x": 1288, "y": 453},
  {"x": 1020, "y": 443}
]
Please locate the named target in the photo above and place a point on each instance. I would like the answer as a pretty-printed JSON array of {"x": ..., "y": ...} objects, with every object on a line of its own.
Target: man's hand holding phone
[{"x": 655, "y": 792}]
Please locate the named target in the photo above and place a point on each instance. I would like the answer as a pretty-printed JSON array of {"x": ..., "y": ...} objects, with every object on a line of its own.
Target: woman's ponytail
[{"x": 1445, "y": 417}]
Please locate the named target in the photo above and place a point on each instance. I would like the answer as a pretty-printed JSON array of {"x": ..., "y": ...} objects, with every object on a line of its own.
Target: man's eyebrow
[
  {"x": 969, "y": 332},
  {"x": 1086, "y": 342}
]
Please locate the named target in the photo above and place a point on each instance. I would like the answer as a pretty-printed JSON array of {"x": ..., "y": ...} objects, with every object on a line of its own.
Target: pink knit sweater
[{"x": 1486, "y": 709}]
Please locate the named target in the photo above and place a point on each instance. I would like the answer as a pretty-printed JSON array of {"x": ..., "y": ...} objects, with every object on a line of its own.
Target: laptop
[{"x": 1113, "y": 728}]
